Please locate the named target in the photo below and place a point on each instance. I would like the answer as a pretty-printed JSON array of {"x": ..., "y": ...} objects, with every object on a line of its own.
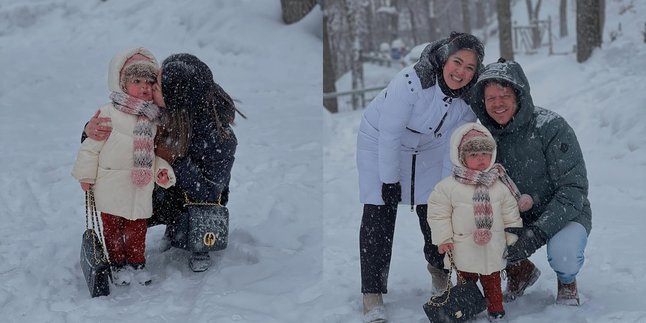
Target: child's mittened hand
[
  {"x": 86, "y": 186},
  {"x": 162, "y": 177},
  {"x": 443, "y": 248},
  {"x": 525, "y": 202}
]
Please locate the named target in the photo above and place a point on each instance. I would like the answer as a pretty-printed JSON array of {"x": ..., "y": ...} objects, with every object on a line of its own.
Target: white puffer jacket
[
  {"x": 451, "y": 218},
  {"x": 108, "y": 164},
  {"x": 404, "y": 137}
]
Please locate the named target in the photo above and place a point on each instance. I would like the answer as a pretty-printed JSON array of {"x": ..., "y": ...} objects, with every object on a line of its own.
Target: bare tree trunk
[
  {"x": 353, "y": 8},
  {"x": 588, "y": 28},
  {"x": 563, "y": 19},
  {"x": 413, "y": 25},
  {"x": 528, "y": 6},
  {"x": 466, "y": 17},
  {"x": 602, "y": 20},
  {"x": 504, "y": 25},
  {"x": 394, "y": 21},
  {"x": 329, "y": 80},
  {"x": 532, "y": 15},
  {"x": 481, "y": 18},
  {"x": 295, "y": 10},
  {"x": 370, "y": 21},
  {"x": 433, "y": 21}
]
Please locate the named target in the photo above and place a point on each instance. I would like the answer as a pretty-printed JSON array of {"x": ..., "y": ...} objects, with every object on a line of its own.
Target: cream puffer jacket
[
  {"x": 451, "y": 218},
  {"x": 108, "y": 164}
]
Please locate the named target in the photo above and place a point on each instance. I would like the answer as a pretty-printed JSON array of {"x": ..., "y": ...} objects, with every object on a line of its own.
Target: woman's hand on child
[
  {"x": 162, "y": 177},
  {"x": 86, "y": 186},
  {"x": 98, "y": 128},
  {"x": 443, "y": 248}
]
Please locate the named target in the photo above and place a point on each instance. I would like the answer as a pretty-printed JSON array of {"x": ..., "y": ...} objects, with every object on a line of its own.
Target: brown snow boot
[
  {"x": 567, "y": 294},
  {"x": 519, "y": 276},
  {"x": 439, "y": 278}
]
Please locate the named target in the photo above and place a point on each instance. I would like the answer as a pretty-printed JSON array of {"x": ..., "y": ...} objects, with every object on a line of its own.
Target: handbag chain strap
[
  {"x": 187, "y": 201},
  {"x": 91, "y": 215},
  {"x": 431, "y": 301}
]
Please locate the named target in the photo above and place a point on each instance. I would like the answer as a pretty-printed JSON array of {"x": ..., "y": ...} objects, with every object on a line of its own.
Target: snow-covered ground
[{"x": 604, "y": 100}]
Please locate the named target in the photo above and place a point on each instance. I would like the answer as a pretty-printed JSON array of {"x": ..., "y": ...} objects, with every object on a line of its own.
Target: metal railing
[{"x": 332, "y": 95}]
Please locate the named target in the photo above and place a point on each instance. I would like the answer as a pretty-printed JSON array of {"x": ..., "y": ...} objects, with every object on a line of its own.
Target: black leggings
[{"x": 376, "y": 244}]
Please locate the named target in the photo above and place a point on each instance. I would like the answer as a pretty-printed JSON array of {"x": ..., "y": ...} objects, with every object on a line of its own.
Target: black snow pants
[{"x": 376, "y": 243}]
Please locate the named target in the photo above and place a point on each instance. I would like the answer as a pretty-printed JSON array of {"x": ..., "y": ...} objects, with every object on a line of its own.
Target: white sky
[{"x": 293, "y": 248}]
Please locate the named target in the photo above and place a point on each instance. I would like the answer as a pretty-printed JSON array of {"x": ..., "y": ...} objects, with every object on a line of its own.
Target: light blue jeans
[{"x": 565, "y": 251}]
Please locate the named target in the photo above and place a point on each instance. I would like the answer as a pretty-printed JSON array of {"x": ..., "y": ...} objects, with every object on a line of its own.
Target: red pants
[
  {"x": 491, "y": 286},
  {"x": 125, "y": 239}
]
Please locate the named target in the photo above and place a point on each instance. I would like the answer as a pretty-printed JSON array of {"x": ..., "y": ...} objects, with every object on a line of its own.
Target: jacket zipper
[{"x": 412, "y": 183}]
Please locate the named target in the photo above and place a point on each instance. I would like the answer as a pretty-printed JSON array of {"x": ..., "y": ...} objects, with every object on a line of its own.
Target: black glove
[
  {"x": 529, "y": 240},
  {"x": 391, "y": 193}
]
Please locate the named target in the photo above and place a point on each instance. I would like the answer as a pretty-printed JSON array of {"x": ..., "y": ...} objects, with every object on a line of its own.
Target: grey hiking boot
[
  {"x": 520, "y": 276},
  {"x": 200, "y": 261}
]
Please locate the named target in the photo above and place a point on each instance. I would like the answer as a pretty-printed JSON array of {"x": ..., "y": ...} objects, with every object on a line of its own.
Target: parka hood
[
  {"x": 457, "y": 136},
  {"x": 119, "y": 60},
  {"x": 507, "y": 73}
]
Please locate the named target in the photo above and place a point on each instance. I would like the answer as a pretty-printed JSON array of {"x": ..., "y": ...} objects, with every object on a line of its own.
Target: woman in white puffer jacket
[{"x": 403, "y": 151}]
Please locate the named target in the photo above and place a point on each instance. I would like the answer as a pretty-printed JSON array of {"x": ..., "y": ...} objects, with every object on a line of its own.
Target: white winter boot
[
  {"x": 373, "y": 308},
  {"x": 121, "y": 275},
  {"x": 440, "y": 279},
  {"x": 141, "y": 275}
]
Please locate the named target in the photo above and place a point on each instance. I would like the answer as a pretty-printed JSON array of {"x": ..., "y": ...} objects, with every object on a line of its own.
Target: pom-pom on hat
[{"x": 475, "y": 141}]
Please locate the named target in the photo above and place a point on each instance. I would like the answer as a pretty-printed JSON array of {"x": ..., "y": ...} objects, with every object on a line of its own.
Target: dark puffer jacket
[
  {"x": 204, "y": 170},
  {"x": 541, "y": 153}
]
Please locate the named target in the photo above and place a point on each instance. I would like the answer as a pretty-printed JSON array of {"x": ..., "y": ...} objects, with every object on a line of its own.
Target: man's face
[{"x": 500, "y": 103}]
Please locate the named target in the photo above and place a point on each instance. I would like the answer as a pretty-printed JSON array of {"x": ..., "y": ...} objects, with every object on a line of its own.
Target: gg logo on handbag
[
  {"x": 209, "y": 239},
  {"x": 203, "y": 227}
]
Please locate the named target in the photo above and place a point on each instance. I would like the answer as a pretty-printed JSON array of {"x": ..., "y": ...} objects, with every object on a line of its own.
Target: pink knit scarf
[
  {"x": 481, "y": 203},
  {"x": 143, "y": 142}
]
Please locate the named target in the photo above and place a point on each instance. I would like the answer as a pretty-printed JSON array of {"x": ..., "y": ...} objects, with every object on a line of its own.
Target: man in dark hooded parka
[{"x": 543, "y": 157}]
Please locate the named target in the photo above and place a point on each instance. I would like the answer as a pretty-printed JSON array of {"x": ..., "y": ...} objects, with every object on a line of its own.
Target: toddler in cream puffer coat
[
  {"x": 123, "y": 169},
  {"x": 469, "y": 211}
]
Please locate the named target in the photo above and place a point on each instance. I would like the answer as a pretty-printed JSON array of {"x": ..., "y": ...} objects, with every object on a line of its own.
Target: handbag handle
[
  {"x": 431, "y": 301},
  {"x": 188, "y": 202},
  {"x": 91, "y": 214}
]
